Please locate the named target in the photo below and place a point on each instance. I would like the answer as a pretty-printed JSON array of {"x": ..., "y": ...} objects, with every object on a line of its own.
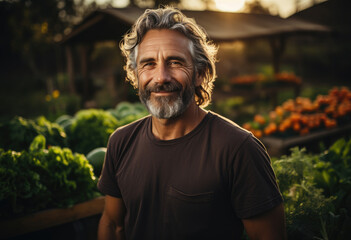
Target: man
[{"x": 183, "y": 172}]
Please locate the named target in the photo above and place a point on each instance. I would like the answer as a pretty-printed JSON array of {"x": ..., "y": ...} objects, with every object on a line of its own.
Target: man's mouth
[
  {"x": 164, "y": 93},
  {"x": 165, "y": 89}
]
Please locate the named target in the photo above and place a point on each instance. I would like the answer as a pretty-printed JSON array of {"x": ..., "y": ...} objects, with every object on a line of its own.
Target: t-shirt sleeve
[
  {"x": 254, "y": 187},
  {"x": 107, "y": 183}
]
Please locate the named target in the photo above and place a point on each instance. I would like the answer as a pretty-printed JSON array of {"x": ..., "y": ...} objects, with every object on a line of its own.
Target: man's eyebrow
[
  {"x": 181, "y": 59},
  {"x": 170, "y": 58},
  {"x": 145, "y": 60}
]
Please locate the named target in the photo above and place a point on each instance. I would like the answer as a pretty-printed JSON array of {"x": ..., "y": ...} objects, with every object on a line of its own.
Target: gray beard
[{"x": 167, "y": 107}]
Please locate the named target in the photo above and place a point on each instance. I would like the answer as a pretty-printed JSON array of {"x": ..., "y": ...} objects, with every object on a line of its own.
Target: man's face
[{"x": 165, "y": 73}]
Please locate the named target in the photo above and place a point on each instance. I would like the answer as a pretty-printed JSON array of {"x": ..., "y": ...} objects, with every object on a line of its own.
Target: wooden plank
[
  {"x": 278, "y": 146},
  {"x": 49, "y": 218}
]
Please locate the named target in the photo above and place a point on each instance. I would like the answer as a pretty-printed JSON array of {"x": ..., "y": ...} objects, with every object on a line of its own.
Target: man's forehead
[
  {"x": 164, "y": 39},
  {"x": 164, "y": 33}
]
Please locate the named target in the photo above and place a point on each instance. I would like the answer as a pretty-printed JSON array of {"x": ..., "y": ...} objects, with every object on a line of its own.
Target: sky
[{"x": 284, "y": 8}]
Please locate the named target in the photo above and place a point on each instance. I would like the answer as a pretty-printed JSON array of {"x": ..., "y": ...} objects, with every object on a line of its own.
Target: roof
[
  {"x": 113, "y": 23},
  {"x": 333, "y": 13}
]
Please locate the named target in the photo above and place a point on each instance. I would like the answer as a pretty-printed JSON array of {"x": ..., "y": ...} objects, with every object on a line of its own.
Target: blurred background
[{"x": 43, "y": 73}]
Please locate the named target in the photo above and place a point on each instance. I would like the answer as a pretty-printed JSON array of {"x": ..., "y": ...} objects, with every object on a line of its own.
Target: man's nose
[{"x": 162, "y": 73}]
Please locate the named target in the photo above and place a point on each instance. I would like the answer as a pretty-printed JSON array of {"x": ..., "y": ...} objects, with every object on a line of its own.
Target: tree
[
  {"x": 255, "y": 7},
  {"x": 153, "y": 3}
]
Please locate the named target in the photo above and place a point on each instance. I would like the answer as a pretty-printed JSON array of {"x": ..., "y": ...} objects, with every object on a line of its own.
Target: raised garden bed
[
  {"x": 42, "y": 220},
  {"x": 280, "y": 146}
]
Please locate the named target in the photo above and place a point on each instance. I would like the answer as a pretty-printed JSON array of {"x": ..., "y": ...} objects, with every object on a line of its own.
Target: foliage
[
  {"x": 317, "y": 192},
  {"x": 19, "y": 132},
  {"x": 43, "y": 178},
  {"x": 255, "y": 6},
  {"x": 305, "y": 204},
  {"x": 335, "y": 169},
  {"x": 96, "y": 158},
  {"x": 33, "y": 27},
  {"x": 126, "y": 112},
  {"x": 333, "y": 175},
  {"x": 58, "y": 104},
  {"x": 153, "y": 3},
  {"x": 229, "y": 107},
  {"x": 90, "y": 129}
]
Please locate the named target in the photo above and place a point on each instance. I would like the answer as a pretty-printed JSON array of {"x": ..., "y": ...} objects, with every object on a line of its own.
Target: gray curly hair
[{"x": 202, "y": 50}]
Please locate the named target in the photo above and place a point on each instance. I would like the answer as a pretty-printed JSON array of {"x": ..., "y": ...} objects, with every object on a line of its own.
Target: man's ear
[{"x": 198, "y": 80}]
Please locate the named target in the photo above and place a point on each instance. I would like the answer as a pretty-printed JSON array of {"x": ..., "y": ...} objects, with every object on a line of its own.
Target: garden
[
  {"x": 54, "y": 125},
  {"x": 55, "y": 164}
]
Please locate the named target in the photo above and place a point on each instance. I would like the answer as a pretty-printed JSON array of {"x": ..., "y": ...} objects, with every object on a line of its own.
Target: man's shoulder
[
  {"x": 223, "y": 125},
  {"x": 129, "y": 129}
]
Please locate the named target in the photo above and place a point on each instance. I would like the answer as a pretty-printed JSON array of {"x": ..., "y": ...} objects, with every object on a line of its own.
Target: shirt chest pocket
[{"x": 188, "y": 215}]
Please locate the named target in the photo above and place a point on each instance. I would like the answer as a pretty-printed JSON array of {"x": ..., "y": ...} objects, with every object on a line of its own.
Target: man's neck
[{"x": 168, "y": 129}]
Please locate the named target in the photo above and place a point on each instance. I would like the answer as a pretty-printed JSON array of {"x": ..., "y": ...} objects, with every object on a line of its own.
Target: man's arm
[
  {"x": 111, "y": 224},
  {"x": 269, "y": 225}
]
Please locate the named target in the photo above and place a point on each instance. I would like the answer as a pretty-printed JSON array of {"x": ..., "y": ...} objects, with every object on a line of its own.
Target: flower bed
[
  {"x": 301, "y": 116},
  {"x": 255, "y": 80}
]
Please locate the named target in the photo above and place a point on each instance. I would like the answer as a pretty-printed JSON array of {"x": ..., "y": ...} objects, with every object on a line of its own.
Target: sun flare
[{"x": 229, "y": 5}]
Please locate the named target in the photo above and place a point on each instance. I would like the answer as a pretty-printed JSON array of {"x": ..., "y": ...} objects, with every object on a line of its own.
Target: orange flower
[
  {"x": 271, "y": 128},
  {"x": 304, "y": 131},
  {"x": 296, "y": 127},
  {"x": 259, "y": 119}
]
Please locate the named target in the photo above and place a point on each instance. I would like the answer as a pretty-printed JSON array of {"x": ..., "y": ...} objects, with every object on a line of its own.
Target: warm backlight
[{"x": 229, "y": 5}]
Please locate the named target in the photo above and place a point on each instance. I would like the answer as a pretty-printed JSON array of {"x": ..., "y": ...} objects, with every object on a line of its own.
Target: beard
[{"x": 166, "y": 107}]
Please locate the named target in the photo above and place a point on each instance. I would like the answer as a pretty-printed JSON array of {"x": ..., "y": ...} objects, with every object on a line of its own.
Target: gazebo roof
[{"x": 113, "y": 23}]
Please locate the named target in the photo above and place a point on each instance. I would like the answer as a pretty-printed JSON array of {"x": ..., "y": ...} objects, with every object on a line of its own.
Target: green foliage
[
  {"x": 90, "y": 129},
  {"x": 58, "y": 103},
  {"x": 96, "y": 158},
  {"x": 305, "y": 204},
  {"x": 127, "y": 112},
  {"x": 317, "y": 192},
  {"x": 61, "y": 120},
  {"x": 43, "y": 178},
  {"x": 333, "y": 175},
  {"x": 334, "y": 171},
  {"x": 38, "y": 143},
  {"x": 229, "y": 107},
  {"x": 18, "y": 133}
]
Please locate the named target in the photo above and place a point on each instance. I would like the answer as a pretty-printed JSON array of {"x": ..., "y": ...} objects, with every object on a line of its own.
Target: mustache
[{"x": 165, "y": 87}]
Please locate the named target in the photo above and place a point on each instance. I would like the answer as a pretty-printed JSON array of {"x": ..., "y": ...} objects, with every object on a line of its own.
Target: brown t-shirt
[{"x": 198, "y": 186}]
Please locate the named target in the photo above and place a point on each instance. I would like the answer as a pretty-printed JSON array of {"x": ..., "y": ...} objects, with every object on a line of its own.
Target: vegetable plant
[
  {"x": 43, "y": 178},
  {"x": 126, "y": 112},
  {"x": 90, "y": 129},
  {"x": 18, "y": 133},
  {"x": 317, "y": 192},
  {"x": 305, "y": 205}
]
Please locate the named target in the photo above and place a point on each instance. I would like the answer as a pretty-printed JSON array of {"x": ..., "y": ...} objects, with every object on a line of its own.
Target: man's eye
[
  {"x": 175, "y": 63},
  {"x": 148, "y": 64}
]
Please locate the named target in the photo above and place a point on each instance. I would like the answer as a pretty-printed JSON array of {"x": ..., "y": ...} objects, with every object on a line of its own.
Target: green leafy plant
[
  {"x": 317, "y": 192},
  {"x": 96, "y": 158},
  {"x": 126, "y": 112},
  {"x": 18, "y": 133},
  {"x": 43, "y": 178},
  {"x": 333, "y": 175},
  {"x": 90, "y": 129},
  {"x": 305, "y": 205}
]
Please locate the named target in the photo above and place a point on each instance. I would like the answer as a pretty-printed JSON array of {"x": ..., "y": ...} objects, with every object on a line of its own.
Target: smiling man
[
  {"x": 161, "y": 56},
  {"x": 183, "y": 172}
]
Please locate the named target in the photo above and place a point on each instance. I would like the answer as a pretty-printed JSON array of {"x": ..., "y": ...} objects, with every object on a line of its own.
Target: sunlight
[{"x": 229, "y": 5}]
